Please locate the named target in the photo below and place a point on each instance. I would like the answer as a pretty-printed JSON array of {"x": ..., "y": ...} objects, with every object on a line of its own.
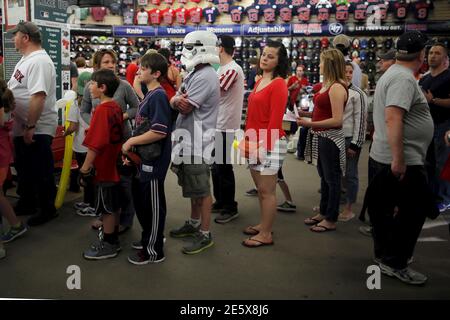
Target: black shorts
[
  {"x": 280, "y": 175},
  {"x": 108, "y": 199}
]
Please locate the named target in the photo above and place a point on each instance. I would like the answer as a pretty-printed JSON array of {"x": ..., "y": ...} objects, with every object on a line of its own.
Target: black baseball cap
[
  {"x": 28, "y": 28},
  {"x": 411, "y": 42},
  {"x": 226, "y": 41}
]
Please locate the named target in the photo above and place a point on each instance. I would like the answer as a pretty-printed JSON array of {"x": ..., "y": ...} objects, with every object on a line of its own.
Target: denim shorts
[{"x": 273, "y": 161}]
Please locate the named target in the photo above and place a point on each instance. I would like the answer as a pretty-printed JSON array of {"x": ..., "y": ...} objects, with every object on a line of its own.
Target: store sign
[
  {"x": 134, "y": 31},
  {"x": 430, "y": 26},
  {"x": 10, "y": 55},
  {"x": 267, "y": 29},
  {"x": 311, "y": 29},
  {"x": 175, "y": 31},
  {"x": 374, "y": 29},
  {"x": 57, "y": 45},
  {"x": 230, "y": 29},
  {"x": 50, "y": 10},
  {"x": 335, "y": 28}
]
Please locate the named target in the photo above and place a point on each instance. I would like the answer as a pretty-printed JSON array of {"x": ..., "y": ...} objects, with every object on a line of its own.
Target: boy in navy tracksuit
[{"x": 148, "y": 193}]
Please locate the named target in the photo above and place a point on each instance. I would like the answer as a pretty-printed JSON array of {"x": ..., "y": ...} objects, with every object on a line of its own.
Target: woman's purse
[{"x": 150, "y": 151}]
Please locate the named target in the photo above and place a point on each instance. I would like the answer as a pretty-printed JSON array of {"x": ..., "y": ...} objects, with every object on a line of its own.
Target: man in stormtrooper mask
[{"x": 197, "y": 102}]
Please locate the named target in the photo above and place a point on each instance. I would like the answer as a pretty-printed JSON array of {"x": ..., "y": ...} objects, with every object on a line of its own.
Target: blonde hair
[{"x": 333, "y": 66}]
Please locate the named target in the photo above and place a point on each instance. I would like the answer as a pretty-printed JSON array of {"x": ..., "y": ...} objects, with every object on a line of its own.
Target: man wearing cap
[
  {"x": 33, "y": 84},
  {"x": 343, "y": 43},
  {"x": 436, "y": 88},
  {"x": 231, "y": 79},
  {"x": 398, "y": 196},
  {"x": 133, "y": 67},
  {"x": 387, "y": 59}
]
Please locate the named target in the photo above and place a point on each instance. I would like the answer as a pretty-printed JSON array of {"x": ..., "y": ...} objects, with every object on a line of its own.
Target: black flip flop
[
  {"x": 259, "y": 243},
  {"x": 324, "y": 229}
]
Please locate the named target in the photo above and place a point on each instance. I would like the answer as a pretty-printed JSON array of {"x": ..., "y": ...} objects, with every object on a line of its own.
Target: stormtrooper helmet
[{"x": 199, "y": 47}]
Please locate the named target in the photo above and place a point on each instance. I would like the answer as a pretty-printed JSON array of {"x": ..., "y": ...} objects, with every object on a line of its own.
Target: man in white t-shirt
[
  {"x": 33, "y": 84},
  {"x": 231, "y": 79}
]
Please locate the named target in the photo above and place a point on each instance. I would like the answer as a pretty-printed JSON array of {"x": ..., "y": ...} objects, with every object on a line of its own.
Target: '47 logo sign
[{"x": 336, "y": 28}]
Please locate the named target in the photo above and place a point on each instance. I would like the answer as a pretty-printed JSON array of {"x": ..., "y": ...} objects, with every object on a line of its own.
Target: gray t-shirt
[
  {"x": 125, "y": 97},
  {"x": 203, "y": 90},
  {"x": 398, "y": 87}
]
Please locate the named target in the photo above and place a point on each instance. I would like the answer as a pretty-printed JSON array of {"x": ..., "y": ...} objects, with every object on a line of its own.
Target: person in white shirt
[
  {"x": 33, "y": 84},
  {"x": 354, "y": 125},
  {"x": 231, "y": 79}
]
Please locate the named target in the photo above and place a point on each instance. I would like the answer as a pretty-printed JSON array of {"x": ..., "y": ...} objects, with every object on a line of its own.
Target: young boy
[
  {"x": 104, "y": 141},
  {"x": 148, "y": 192}
]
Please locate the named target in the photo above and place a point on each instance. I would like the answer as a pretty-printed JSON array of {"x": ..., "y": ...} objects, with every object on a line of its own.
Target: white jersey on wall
[
  {"x": 34, "y": 73},
  {"x": 231, "y": 79},
  {"x": 142, "y": 17}
]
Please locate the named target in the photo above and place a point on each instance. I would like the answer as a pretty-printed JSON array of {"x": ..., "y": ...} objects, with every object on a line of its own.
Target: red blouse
[
  {"x": 322, "y": 108},
  {"x": 266, "y": 109}
]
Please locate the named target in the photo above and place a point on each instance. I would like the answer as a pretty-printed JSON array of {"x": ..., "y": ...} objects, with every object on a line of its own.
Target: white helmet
[{"x": 199, "y": 47}]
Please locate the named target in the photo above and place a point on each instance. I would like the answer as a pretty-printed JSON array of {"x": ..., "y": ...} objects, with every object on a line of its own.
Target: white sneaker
[
  {"x": 87, "y": 212},
  {"x": 80, "y": 205},
  {"x": 406, "y": 275}
]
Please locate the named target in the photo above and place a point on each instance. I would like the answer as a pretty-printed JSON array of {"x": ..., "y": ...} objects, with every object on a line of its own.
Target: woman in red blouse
[
  {"x": 327, "y": 138},
  {"x": 267, "y": 143}
]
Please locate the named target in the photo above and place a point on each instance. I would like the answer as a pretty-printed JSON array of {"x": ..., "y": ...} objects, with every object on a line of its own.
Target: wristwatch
[{"x": 30, "y": 126}]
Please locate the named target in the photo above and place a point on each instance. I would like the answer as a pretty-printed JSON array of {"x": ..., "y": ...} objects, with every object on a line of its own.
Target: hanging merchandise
[
  {"x": 253, "y": 13},
  {"x": 236, "y": 13},
  {"x": 168, "y": 15},
  {"x": 421, "y": 9},
  {"x": 269, "y": 13},
  {"x": 401, "y": 9},
  {"x": 142, "y": 17},
  {"x": 286, "y": 13},
  {"x": 210, "y": 14},
  {"x": 342, "y": 12},
  {"x": 195, "y": 15},
  {"x": 98, "y": 13},
  {"x": 360, "y": 11},
  {"x": 223, "y": 5},
  {"x": 304, "y": 13},
  {"x": 181, "y": 15},
  {"x": 155, "y": 16}
]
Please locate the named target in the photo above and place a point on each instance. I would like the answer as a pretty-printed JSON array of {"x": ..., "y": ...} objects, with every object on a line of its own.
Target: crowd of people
[{"x": 129, "y": 133}]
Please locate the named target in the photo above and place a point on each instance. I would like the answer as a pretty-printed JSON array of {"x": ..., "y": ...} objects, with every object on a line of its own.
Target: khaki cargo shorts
[{"x": 193, "y": 179}]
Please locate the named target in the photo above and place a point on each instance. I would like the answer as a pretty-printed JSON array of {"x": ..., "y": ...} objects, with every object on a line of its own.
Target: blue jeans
[
  {"x": 328, "y": 166},
  {"x": 301, "y": 145},
  {"x": 351, "y": 179},
  {"x": 442, "y": 153}
]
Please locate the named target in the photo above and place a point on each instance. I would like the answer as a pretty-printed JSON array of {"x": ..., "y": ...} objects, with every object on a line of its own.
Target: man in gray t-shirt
[
  {"x": 198, "y": 104},
  {"x": 403, "y": 131},
  {"x": 398, "y": 88}
]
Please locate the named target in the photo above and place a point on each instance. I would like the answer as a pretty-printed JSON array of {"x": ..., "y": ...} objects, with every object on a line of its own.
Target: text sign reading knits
[{"x": 134, "y": 31}]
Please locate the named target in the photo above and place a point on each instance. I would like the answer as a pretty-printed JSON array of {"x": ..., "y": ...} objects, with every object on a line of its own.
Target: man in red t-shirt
[
  {"x": 295, "y": 85},
  {"x": 133, "y": 67},
  {"x": 104, "y": 142}
]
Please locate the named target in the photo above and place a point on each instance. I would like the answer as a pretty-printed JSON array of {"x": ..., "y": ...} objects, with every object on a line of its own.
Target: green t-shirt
[{"x": 84, "y": 12}]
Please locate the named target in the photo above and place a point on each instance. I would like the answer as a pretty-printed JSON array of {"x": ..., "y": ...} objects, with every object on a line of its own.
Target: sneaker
[
  {"x": 14, "y": 233},
  {"x": 226, "y": 216},
  {"x": 366, "y": 230},
  {"x": 443, "y": 207},
  {"x": 140, "y": 258},
  {"x": 80, "y": 205},
  {"x": 137, "y": 245},
  {"x": 200, "y": 243},
  {"x": 216, "y": 208},
  {"x": 100, "y": 250},
  {"x": 252, "y": 192},
  {"x": 187, "y": 230},
  {"x": 406, "y": 275},
  {"x": 287, "y": 207},
  {"x": 39, "y": 219},
  {"x": 378, "y": 260},
  {"x": 87, "y": 212}
]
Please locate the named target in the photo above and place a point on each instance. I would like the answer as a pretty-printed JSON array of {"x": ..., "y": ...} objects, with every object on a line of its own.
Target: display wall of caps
[{"x": 84, "y": 46}]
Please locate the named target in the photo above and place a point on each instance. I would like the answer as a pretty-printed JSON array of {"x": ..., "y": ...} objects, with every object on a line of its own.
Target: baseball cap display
[
  {"x": 411, "y": 42},
  {"x": 325, "y": 42},
  {"x": 372, "y": 43},
  {"x": 388, "y": 43},
  {"x": 363, "y": 43}
]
